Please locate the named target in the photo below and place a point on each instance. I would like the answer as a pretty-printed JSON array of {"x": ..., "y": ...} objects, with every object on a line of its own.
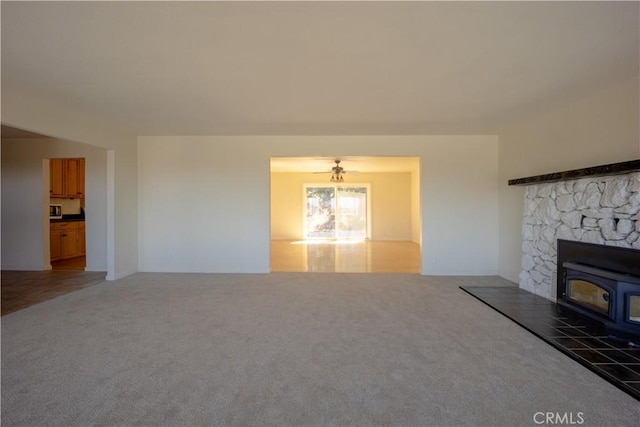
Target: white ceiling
[{"x": 316, "y": 68}]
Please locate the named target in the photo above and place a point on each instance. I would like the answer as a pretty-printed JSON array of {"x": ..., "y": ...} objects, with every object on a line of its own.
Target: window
[{"x": 336, "y": 212}]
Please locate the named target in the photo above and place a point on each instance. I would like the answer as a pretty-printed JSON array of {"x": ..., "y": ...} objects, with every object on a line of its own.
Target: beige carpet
[{"x": 288, "y": 349}]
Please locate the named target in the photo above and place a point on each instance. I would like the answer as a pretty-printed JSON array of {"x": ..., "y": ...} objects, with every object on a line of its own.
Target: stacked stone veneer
[{"x": 603, "y": 210}]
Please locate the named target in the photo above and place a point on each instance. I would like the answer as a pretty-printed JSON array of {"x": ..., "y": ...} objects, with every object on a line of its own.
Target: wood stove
[{"x": 601, "y": 283}]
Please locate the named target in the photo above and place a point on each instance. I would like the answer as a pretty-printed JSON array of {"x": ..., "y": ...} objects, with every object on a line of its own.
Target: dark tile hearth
[{"x": 584, "y": 341}]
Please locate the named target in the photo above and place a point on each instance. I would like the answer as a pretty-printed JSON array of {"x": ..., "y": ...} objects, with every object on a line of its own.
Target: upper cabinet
[
  {"x": 74, "y": 178},
  {"x": 56, "y": 178},
  {"x": 66, "y": 178}
]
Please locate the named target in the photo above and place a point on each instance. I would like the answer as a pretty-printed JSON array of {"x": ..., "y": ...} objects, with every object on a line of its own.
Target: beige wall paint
[
  {"x": 390, "y": 203},
  {"x": 286, "y": 206},
  {"x": 391, "y": 206},
  {"x": 598, "y": 129},
  {"x": 416, "y": 233}
]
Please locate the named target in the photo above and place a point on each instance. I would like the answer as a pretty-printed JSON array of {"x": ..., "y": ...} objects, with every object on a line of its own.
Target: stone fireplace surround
[{"x": 602, "y": 209}]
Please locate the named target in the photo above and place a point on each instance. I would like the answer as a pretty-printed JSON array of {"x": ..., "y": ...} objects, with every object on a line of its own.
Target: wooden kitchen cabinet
[
  {"x": 66, "y": 178},
  {"x": 70, "y": 244},
  {"x": 55, "y": 244},
  {"x": 82, "y": 243},
  {"x": 56, "y": 178},
  {"x": 67, "y": 239},
  {"x": 80, "y": 183}
]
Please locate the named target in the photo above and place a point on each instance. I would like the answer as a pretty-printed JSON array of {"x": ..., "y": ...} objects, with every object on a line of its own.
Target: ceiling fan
[{"x": 337, "y": 172}]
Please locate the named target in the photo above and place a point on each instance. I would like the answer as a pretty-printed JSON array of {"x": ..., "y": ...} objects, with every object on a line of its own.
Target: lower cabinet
[
  {"x": 55, "y": 242},
  {"x": 82, "y": 244},
  {"x": 67, "y": 240}
]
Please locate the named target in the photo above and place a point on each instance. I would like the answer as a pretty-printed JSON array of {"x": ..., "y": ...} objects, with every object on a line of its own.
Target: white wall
[
  {"x": 24, "y": 246},
  {"x": 204, "y": 201},
  {"x": 390, "y": 203},
  {"x": 595, "y": 130},
  {"x": 204, "y": 205},
  {"x": 24, "y": 109},
  {"x": 22, "y": 213}
]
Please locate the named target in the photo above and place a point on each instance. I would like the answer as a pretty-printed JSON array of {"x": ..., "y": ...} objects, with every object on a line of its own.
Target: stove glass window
[
  {"x": 634, "y": 308},
  {"x": 589, "y": 295}
]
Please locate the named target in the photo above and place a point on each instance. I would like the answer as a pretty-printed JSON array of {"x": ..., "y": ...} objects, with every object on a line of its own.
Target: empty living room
[{"x": 359, "y": 213}]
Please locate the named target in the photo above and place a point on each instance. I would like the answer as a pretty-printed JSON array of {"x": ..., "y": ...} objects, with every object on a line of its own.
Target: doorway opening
[
  {"x": 361, "y": 214},
  {"x": 67, "y": 239}
]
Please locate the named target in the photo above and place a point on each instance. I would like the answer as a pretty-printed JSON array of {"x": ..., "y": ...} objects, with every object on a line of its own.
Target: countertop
[{"x": 69, "y": 218}]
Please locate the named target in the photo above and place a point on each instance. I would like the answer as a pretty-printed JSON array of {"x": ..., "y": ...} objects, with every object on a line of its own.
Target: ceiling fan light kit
[
  {"x": 336, "y": 172},
  {"x": 337, "y": 177}
]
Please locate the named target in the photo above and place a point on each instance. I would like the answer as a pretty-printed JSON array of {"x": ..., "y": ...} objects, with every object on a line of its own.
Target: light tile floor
[{"x": 345, "y": 257}]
